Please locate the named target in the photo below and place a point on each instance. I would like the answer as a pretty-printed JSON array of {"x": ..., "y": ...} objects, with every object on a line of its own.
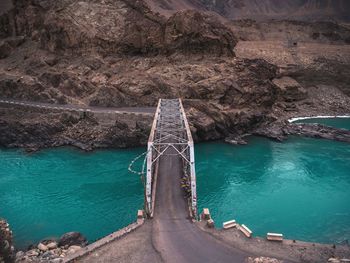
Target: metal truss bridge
[{"x": 170, "y": 135}]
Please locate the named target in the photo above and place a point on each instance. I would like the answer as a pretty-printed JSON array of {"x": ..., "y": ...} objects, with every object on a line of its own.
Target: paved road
[
  {"x": 174, "y": 236},
  {"x": 70, "y": 107}
]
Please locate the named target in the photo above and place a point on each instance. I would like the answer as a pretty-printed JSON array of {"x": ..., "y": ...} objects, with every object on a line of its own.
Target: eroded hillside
[{"x": 122, "y": 53}]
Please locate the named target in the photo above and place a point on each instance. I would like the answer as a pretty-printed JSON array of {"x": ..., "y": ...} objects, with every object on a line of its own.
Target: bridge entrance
[{"x": 170, "y": 135}]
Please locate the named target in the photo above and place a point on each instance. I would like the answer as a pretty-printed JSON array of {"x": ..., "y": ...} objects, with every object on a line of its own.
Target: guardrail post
[
  {"x": 149, "y": 179},
  {"x": 193, "y": 180}
]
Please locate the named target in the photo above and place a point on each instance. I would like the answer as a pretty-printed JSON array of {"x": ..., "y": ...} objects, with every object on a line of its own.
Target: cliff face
[
  {"x": 122, "y": 53},
  {"x": 288, "y": 9},
  {"x": 262, "y": 9}
]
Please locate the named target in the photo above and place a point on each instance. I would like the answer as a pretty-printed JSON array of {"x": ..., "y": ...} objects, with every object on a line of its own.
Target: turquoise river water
[
  {"x": 343, "y": 123},
  {"x": 299, "y": 188},
  {"x": 49, "y": 193}
]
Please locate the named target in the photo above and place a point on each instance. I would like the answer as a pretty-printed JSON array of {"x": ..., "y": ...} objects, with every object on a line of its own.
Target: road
[
  {"x": 71, "y": 107},
  {"x": 174, "y": 235}
]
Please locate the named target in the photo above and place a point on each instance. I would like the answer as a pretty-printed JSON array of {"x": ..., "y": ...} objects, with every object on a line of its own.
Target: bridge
[
  {"x": 170, "y": 136},
  {"x": 170, "y": 192}
]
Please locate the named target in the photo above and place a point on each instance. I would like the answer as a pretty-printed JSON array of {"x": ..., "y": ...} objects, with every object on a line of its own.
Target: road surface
[
  {"x": 174, "y": 235},
  {"x": 70, "y": 107}
]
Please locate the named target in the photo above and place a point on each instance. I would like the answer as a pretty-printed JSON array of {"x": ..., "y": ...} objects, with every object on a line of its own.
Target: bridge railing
[{"x": 170, "y": 130}]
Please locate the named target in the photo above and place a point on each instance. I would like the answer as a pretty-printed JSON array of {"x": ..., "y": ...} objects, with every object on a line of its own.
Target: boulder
[
  {"x": 49, "y": 255},
  {"x": 72, "y": 238},
  {"x": 289, "y": 89},
  {"x": 42, "y": 247},
  {"x": 32, "y": 253},
  {"x": 52, "y": 245},
  {"x": 73, "y": 249}
]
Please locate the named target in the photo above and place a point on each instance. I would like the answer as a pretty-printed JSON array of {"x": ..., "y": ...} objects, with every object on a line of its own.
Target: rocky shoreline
[
  {"x": 319, "y": 131},
  {"x": 7, "y": 250},
  {"x": 53, "y": 250},
  {"x": 47, "y": 250}
]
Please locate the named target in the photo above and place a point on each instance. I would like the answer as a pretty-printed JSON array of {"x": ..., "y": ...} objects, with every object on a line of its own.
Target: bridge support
[{"x": 170, "y": 130}]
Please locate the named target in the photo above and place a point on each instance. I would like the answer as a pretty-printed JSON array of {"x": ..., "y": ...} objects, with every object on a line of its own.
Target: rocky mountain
[
  {"x": 123, "y": 53},
  {"x": 263, "y": 9}
]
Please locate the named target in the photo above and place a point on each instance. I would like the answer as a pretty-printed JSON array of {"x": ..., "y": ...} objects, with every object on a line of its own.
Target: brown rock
[
  {"x": 290, "y": 89},
  {"x": 5, "y": 49},
  {"x": 72, "y": 238},
  {"x": 195, "y": 32},
  {"x": 6, "y": 246}
]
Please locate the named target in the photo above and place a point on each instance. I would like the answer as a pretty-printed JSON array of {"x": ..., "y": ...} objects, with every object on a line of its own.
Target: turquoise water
[
  {"x": 300, "y": 188},
  {"x": 54, "y": 191},
  {"x": 343, "y": 123}
]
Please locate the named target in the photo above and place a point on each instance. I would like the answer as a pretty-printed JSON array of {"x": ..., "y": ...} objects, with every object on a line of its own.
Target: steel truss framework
[{"x": 171, "y": 135}]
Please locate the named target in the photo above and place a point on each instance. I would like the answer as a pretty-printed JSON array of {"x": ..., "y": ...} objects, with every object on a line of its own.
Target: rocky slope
[
  {"x": 121, "y": 53},
  {"x": 292, "y": 9},
  {"x": 53, "y": 250},
  {"x": 262, "y": 9}
]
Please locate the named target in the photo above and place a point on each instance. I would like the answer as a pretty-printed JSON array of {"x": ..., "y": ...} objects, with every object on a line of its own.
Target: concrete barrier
[
  {"x": 229, "y": 224},
  {"x": 103, "y": 241},
  {"x": 245, "y": 230},
  {"x": 206, "y": 214},
  {"x": 210, "y": 223},
  {"x": 139, "y": 214},
  {"x": 274, "y": 237}
]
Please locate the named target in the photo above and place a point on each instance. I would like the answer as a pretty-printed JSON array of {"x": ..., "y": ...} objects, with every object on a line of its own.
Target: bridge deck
[{"x": 175, "y": 237}]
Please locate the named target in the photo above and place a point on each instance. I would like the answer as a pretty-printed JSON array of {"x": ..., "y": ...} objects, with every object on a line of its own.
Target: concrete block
[
  {"x": 274, "y": 237},
  {"x": 245, "y": 230},
  {"x": 210, "y": 223},
  {"x": 229, "y": 224},
  {"x": 206, "y": 214},
  {"x": 139, "y": 214}
]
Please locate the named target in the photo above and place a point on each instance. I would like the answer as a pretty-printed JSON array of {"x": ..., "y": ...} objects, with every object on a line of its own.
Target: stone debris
[
  {"x": 42, "y": 247},
  {"x": 52, "y": 250},
  {"x": 52, "y": 245},
  {"x": 6, "y": 247}
]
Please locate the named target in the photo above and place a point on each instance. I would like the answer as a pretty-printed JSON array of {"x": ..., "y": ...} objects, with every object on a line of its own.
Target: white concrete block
[
  {"x": 206, "y": 214},
  {"x": 229, "y": 224},
  {"x": 139, "y": 213},
  {"x": 274, "y": 237},
  {"x": 210, "y": 223},
  {"x": 246, "y": 231}
]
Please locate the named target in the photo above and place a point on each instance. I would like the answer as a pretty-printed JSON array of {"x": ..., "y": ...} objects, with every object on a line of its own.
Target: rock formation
[
  {"x": 123, "y": 54},
  {"x": 53, "y": 251},
  {"x": 6, "y": 246},
  {"x": 262, "y": 9}
]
